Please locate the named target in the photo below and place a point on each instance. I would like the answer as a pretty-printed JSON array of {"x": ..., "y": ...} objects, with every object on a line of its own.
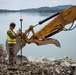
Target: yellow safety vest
[{"x": 11, "y": 40}]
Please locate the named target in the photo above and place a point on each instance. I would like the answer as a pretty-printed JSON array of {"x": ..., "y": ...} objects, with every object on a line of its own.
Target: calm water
[{"x": 67, "y": 39}]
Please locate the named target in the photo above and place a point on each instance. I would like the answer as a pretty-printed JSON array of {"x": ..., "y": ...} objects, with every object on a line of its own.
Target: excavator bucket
[
  {"x": 46, "y": 41},
  {"x": 20, "y": 43}
]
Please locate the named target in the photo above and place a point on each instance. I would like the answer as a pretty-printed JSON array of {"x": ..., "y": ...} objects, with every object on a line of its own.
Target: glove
[{"x": 19, "y": 32}]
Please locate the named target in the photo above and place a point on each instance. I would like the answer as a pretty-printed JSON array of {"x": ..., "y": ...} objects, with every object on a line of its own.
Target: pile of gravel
[{"x": 40, "y": 66}]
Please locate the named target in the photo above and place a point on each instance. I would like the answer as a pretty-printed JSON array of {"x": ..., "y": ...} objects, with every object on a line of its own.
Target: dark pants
[{"x": 11, "y": 54}]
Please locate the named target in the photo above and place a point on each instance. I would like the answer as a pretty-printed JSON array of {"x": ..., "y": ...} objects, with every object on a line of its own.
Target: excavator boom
[{"x": 58, "y": 23}]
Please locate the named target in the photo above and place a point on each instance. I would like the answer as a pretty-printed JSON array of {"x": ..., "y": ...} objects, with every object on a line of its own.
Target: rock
[
  {"x": 39, "y": 68},
  {"x": 3, "y": 53},
  {"x": 66, "y": 64},
  {"x": 20, "y": 59}
]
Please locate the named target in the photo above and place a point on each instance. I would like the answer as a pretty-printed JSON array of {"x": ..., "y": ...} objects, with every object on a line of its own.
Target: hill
[
  {"x": 46, "y": 9},
  {"x": 41, "y": 9}
]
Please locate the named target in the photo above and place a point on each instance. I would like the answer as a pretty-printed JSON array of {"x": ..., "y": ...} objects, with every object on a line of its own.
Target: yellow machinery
[{"x": 57, "y": 24}]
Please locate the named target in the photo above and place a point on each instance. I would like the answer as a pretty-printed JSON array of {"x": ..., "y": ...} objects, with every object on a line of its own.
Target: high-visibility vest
[{"x": 11, "y": 40}]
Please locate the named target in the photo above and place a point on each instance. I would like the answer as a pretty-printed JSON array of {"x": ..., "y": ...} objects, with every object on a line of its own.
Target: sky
[{"x": 25, "y": 4}]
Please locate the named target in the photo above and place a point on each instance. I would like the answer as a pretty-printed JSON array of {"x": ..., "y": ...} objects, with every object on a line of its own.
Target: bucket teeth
[{"x": 56, "y": 42}]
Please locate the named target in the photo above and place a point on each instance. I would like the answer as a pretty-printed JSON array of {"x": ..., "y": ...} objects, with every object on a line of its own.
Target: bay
[{"x": 67, "y": 39}]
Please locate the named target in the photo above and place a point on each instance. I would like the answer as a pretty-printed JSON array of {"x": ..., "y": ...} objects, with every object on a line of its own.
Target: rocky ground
[{"x": 39, "y": 66}]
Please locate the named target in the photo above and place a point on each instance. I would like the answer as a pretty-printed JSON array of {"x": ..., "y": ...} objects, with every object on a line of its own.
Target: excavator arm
[
  {"x": 42, "y": 37},
  {"x": 59, "y": 22},
  {"x": 56, "y": 25}
]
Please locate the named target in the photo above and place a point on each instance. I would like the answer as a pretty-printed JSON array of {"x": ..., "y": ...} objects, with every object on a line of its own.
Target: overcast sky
[{"x": 24, "y": 4}]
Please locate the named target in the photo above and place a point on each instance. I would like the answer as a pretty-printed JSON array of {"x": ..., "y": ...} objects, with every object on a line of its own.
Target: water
[{"x": 67, "y": 39}]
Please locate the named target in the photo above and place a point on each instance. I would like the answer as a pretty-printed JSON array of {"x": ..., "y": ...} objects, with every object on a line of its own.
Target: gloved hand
[{"x": 19, "y": 32}]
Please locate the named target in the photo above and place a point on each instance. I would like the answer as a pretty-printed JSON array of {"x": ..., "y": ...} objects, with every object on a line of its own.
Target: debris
[{"x": 42, "y": 67}]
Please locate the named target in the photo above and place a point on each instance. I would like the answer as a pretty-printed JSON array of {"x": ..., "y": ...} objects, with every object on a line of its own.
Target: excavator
[{"x": 56, "y": 25}]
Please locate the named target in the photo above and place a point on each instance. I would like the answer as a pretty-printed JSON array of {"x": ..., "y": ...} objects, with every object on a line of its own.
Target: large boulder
[
  {"x": 21, "y": 58},
  {"x": 3, "y": 53}
]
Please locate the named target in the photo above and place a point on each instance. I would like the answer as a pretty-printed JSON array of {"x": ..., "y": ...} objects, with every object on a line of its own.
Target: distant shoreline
[{"x": 39, "y": 10}]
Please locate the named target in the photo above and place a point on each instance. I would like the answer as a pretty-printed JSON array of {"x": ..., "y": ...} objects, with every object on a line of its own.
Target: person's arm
[{"x": 11, "y": 35}]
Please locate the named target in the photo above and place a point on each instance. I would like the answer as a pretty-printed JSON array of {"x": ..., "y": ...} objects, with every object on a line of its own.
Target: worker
[{"x": 11, "y": 40}]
